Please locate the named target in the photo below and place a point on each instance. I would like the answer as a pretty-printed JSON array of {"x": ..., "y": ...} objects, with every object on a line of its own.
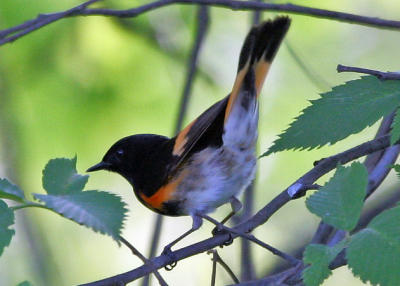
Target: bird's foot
[
  {"x": 168, "y": 252},
  {"x": 220, "y": 230}
]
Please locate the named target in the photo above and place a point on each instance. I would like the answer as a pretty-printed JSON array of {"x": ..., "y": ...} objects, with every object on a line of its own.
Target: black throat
[{"x": 147, "y": 168}]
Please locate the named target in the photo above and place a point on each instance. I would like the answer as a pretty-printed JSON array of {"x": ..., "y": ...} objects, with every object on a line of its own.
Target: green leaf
[
  {"x": 101, "y": 211},
  {"x": 345, "y": 110},
  {"x": 373, "y": 253},
  {"x": 6, "y": 220},
  {"x": 397, "y": 169},
  {"x": 319, "y": 256},
  {"x": 25, "y": 283},
  {"x": 60, "y": 177},
  {"x": 10, "y": 191},
  {"x": 395, "y": 133},
  {"x": 340, "y": 201}
]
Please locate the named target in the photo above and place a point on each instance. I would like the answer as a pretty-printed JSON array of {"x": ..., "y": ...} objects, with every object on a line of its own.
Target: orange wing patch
[
  {"x": 163, "y": 194},
  {"x": 181, "y": 140}
]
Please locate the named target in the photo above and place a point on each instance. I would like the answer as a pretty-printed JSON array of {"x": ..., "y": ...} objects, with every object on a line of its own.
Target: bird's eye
[{"x": 120, "y": 152}]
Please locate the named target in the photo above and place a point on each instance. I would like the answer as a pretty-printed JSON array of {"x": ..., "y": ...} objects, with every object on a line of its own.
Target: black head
[{"x": 131, "y": 156}]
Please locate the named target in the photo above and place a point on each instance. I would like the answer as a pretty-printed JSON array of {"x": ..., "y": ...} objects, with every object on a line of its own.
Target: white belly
[{"x": 216, "y": 177}]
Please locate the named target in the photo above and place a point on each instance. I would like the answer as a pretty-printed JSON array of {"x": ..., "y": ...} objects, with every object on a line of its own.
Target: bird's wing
[{"x": 206, "y": 130}]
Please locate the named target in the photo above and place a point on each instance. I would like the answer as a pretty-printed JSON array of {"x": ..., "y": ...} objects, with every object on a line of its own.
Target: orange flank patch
[
  {"x": 261, "y": 72},
  {"x": 163, "y": 194},
  {"x": 235, "y": 90},
  {"x": 181, "y": 140}
]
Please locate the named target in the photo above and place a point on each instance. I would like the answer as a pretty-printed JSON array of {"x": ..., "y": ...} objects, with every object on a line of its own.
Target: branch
[
  {"x": 217, "y": 259},
  {"x": 137, "y": 253},
  {"x": 11, "y": 34},
  {"x": 252, "y": 238},
  {"x": 40, "y": 21},
  {"x": 384, "y": 129},
  {"x": 385, "y": 204},
  {"x": 378, "y": 74},
  {"x": 325, "y": 166}
]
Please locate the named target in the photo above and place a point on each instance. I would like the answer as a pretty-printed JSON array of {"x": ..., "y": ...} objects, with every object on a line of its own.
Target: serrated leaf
[
  {"x": 319, "y": 256},
  {"x": 346, "y": 110},
  {"x": 373, "y": 253},
  {"x": 6, "y": 220},
  {"x": 10, "y": 191},
  {"x": 60, "y": 177},
  {"x": 395, "y": 133},
  {"x": 101, "y": 211},
  {"x": 340, "y": 201},
  {"x": 397, "y": 169}
]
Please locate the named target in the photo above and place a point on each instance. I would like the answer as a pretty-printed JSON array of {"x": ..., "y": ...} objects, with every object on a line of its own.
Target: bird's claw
[
  {"x": 218, "y": 230},
  {"x": 167, "y": 252}
]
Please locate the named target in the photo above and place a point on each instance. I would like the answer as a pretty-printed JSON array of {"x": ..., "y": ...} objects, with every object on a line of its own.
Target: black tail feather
[{"x": 264, "y": 39}]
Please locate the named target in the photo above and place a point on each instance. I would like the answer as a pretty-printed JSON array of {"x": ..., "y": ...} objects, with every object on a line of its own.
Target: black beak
[{"x": 99, "y": 166}]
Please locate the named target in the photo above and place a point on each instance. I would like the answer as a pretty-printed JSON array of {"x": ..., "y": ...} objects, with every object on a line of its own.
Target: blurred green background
[{"x": 78, "y": 85}]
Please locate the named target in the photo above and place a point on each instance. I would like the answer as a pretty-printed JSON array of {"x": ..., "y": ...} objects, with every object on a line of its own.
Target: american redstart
[{"x": 212, "y": 160}]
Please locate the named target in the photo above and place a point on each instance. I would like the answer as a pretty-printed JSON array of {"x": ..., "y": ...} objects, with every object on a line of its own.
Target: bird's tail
[{"x": 258, "y": 51}]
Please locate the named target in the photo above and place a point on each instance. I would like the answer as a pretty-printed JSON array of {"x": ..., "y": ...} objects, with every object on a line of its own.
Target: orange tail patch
[{"x": 258, "y": 51}]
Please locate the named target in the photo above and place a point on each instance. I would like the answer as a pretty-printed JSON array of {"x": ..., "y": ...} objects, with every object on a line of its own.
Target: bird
[{"x": 213, "y": 159}]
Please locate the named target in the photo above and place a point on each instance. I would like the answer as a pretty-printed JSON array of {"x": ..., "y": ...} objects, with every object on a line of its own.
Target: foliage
[
  {"x": 395, "y": 128},
  {"x": 346, "y": 110},
  {"x": 99, "y": 210},
  {"x": 319, "y": 256},
  {"x": 6, "y": 220},
  {"x": 397, "y": 169},
  {"x": 60, "y": 177},
  {"x": 340, "y": 201},
  {"x": 373, "y": 253},
  {"x": 10, "y": 191}
]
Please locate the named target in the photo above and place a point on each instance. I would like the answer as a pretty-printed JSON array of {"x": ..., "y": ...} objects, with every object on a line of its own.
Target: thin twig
[
  {"x": 154, "y": 243},
  {"x": 384, "y": 128},
  {"x": 273, "y": 250},
  {"x": 247, "y": 265},
  {"x": 13, "y": 33},
  {"x": 214, "y": 267},
  {"x": 379, "y": 74},
  {"x": 385, "y": 204},
  {"x": 202, "y": 27},
  {"x": 278, "y": 278},
  {"x": 40, "y": 21},
  {"x": 382, "y": 169},
  {"x": 137, "y": 253},
  {"x": 219, "y": 259},
  {"x": 257, "y": 15},
  {"x": 313, "y": 76}
]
